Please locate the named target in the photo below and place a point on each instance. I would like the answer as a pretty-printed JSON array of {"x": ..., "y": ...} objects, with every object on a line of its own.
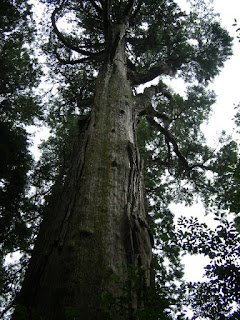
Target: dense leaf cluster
[
  {"x": 19, "y": 107},
  {"x": 219, "y": 296}
]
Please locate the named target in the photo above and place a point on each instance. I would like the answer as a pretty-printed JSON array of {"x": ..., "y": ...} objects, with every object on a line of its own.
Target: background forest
[{"x": 41, "y": 88}]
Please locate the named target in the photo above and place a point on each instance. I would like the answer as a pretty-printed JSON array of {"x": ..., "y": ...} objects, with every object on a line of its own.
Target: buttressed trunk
[{"x": 98, "y": 221}]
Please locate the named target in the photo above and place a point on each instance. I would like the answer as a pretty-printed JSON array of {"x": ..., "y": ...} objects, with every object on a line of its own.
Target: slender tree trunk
[{"x": 97, "y": 222}]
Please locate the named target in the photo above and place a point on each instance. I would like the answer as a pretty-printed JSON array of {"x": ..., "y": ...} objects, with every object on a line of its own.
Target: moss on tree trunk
[{"x": 97, "y": 221}]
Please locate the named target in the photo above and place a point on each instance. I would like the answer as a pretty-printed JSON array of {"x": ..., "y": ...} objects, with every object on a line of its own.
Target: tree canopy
[
  {"x": 161, "y": 40},
  {"x": 19, "y": 74}
]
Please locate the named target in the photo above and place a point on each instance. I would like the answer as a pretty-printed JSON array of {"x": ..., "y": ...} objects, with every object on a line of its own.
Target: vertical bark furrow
[{"x": 141, "y": 246}]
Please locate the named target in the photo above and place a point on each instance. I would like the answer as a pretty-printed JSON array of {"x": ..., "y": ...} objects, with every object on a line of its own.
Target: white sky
[
  {"x": 227, "y": 88},
  {"x": 227, "y": 84}
]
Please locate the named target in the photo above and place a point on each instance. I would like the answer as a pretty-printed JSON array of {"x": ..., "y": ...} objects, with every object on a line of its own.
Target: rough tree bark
[{"x": 97, "y": 221}]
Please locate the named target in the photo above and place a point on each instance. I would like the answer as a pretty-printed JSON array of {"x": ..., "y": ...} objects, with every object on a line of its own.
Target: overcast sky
[
  {"x": 227, "y": 88},
  {"x": 227, "y": 84}
]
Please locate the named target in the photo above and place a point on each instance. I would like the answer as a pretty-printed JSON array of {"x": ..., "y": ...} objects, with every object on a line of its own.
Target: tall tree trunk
[{"x": 98, "y": 221}]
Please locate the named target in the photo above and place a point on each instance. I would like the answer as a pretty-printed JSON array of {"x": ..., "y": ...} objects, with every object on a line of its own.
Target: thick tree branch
[
  {"x": 144, "y": 106},
  {"x": 138, "y": 78},
  {"x": 76, "y": 61},
  {"x": 83, "y": 103},
  {"x": 67, "y": 43},
  {"x": 170, "y": 139}
]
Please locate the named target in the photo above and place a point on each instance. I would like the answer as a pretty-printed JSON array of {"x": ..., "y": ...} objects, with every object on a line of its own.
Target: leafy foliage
[
  {"x": 19, "y": 73},
  {"x": 219, "y": 297},
  {"x": 157, "y": 299},
  {"x": 15, "y": 162}
]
